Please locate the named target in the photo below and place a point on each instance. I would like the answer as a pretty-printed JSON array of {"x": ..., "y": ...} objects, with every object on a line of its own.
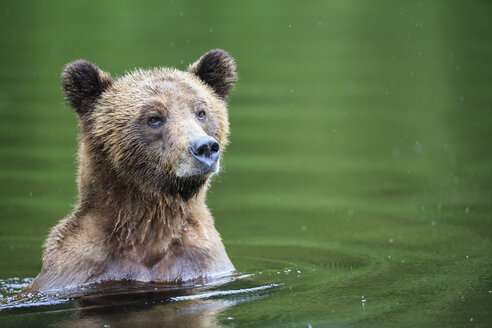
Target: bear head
[{"x": 161, "y": 130}]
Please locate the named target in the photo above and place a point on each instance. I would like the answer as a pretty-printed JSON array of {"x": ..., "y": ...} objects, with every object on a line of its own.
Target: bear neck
[{"x": 126, "y": 215}]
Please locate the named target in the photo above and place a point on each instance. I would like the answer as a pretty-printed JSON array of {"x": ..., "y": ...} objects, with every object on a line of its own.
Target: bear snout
[{"x": 205, "y": 150}]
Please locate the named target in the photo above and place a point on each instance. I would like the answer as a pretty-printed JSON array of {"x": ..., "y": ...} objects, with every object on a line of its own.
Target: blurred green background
[{"x": 360, "y": 150}]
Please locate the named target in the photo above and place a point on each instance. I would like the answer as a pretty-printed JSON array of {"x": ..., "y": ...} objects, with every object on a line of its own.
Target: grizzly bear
[{"x": 149, "y": 143}]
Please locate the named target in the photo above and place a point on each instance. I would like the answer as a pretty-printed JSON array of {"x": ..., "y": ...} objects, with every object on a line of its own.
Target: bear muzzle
[{"x": 205, "y": 150}]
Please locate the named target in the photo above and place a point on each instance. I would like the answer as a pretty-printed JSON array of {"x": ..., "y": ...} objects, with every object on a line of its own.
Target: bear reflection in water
[
  {"x": 149, "y": 143},
  {"x": 152, "y": 309},
  {"x": 134, "y": 304}
]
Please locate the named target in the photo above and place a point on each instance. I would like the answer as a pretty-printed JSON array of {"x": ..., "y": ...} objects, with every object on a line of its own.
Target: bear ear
[
  {"x": 83, "y": 84},
  {"x": 217, "y": 69}
]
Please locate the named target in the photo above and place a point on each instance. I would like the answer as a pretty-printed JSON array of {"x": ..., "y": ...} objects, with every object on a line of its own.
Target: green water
[{"x": 358, "y": 179}]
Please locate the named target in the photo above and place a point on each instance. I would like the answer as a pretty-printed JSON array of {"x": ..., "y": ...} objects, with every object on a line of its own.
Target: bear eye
[
  {"x": 201, "y": 115},
  {"x": 155, "y": 121}
]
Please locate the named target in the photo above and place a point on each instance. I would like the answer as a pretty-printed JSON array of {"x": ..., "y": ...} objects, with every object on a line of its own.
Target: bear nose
[{"x": 205, "y": 150}]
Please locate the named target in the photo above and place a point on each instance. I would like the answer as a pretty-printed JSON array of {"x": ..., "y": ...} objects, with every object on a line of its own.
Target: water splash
[
  {"x": 9, "y": 289},
  {"x": 14, "y": 285}
]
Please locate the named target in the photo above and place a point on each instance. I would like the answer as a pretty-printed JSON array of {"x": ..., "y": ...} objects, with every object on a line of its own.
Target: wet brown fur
[{"x": 142, "y": 213}]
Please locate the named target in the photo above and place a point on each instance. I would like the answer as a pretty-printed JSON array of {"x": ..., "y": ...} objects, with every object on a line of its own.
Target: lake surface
[{"x": 357, "y": 187}]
